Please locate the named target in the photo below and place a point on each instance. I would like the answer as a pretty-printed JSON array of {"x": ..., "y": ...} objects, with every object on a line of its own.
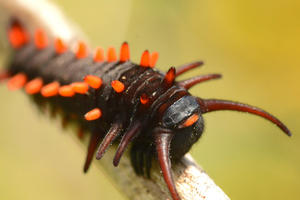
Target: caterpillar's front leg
[{"x": 141, "y": 159}]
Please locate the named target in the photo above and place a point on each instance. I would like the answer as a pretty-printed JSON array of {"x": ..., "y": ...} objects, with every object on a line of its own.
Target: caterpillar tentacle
[
  {"x": 92, "y": 147},
  {"x": 187, "y": 67},
  {"x": 114, "y": 131},
  {"x": 187, "y": 84}
]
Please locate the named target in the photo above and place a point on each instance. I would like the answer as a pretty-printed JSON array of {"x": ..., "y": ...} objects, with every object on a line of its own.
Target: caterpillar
[{"x": 117, "y": 100}]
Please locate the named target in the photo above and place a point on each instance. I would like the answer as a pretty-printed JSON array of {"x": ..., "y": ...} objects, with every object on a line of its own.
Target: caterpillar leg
[
  {"x": 4, "y": 75},
  {"x": 141, "y": 159}
]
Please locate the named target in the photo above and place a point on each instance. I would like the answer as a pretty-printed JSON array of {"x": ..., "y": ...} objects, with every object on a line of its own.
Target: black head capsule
[{"x": 185, "y": 121}]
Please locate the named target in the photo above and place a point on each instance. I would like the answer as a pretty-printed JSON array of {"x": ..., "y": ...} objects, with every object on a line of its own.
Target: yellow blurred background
[{"x": 254, "y": 44}]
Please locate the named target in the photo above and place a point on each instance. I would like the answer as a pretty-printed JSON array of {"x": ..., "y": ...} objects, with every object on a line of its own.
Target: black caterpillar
[{"x": 117, "y": 99}]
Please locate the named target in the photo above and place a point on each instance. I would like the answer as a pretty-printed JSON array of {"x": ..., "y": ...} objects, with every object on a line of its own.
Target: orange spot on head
[
  {"x": 191, "y": 120},
  {"x": 17, "y": 81},
  {"x": 81, "y": 50},
  {"x": 93, "y": 81},
  {"x": 34, "y": 86},
  {"x": 66, "y": 91},
  {"x": 124, "y": 53},
  {"x": 170, "y": 76},
  {"x": 118, "y": 86},
  {"x": 50, "y": 89},
  {"x": 80, "y": 87},
  {"x": 93, "y": 114},
  {"x": 17, "y": 36},
  {"x": 111, "y": 54},
  {"x": 60, "y": 46},
  {"x": 145, "y": 59},
  {"x": 99, "y": 55},
  {"x": 144, "y": 99},
  {"x": 153, "y": 59},
  {"x": 40, "y": 39}
]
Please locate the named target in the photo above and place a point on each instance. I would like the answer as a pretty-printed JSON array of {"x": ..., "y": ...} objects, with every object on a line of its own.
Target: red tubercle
[
  {"x": 40, "y": 39},
  {"x": 93, "y": 114},
  {"x": 93, "y": 81},
  {"x": 80, "y": 87},
  {"x": 145, "y": 59},
  {"x": 34, "y": 86},
  {"x": 81, "y": 51},
  {"x": 153, "y": 59},
  {"x": 144, "y": 99},
  {"x": 99, "y": 55},
  {"x": 118, "y": 86},
  {"x": 17, "y": 36},
  {"x": 17, "y": 81},
  {"x": 111, "y": 54},
  {"x": 60, "y": 46},
  {"x": 50, "y": 89},
  {"x": 170, "y": 76},
  {"x": 124, "y": 52},
  {"x": 66, "y": 91}
]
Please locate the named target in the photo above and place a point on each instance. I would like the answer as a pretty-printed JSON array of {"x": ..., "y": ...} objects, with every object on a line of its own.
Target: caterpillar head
[{"x": 184, "y": 120}]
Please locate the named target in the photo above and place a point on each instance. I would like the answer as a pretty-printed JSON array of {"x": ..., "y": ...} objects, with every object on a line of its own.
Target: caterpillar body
[{"x": 117, "y": 100}]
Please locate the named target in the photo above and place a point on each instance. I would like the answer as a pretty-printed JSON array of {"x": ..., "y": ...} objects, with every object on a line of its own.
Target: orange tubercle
[
  {"x": 50, "y": 89},
  {"x": 60, "y": 46},
  {"x": 145, "y": 59},
  {"x": 191, "y": 120},
  {"x": 144, "y": 99},
  {"x": 34, "y": 86},
  {"x": 111, "y": 54},
  {"x": 93, "y": 81},
  {"x": 40, "y": 39},
  {"x": 99, "y": 55},
  {"x": 153, "y": 59},
  {"x": 118, "y": 86},
  {"x": 66, "y": 91},
  {"x": 17, "y": 36},
  {"x": 80, "y": 87},
  {"x": 17, "y": 81},
  {"x": 93, "y": 114},
  {"x": 81, "y": 50},
  {"x": 124, "y": 52}
]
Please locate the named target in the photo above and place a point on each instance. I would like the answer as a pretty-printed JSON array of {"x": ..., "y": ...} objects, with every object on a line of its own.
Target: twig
[{"x": 191, "y": 181}]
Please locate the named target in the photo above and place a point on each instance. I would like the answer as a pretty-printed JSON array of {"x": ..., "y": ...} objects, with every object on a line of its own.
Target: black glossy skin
[{"x": 67, "y": 69}]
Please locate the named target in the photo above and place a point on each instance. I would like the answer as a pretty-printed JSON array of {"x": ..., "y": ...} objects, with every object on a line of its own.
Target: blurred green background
[{"x": 254, "y": 44}]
